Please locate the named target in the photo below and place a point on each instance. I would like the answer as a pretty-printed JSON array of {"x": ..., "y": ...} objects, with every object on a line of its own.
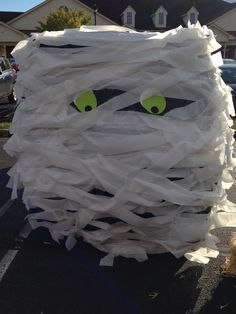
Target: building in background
[{"x": 154, "y": 15}]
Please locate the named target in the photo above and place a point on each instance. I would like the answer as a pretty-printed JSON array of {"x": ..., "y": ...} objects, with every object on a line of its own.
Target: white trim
[
  {"x": 193, "y": 10},
  {"x": 124, "y": 17},
  {"x": 223, "y": 15},
  {"x": 129, "y": 26},
  {"x": 155, "y": 17},
  {"x": 186, "y": 16},
  {"x": 28, "y": 12},
  {"x": 222, "y": 31},
  {"x": 47, "y": 1},
  {"x": 13, "y": 29}
]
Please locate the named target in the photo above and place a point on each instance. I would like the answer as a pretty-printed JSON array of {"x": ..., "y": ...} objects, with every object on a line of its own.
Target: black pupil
[
  {"x": 154, "y": 110},
  {"x": 88, "y": 108}
]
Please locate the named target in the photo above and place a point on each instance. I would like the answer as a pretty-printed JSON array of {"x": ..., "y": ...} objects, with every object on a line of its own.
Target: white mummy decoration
[{"x": 124, "y": 139}]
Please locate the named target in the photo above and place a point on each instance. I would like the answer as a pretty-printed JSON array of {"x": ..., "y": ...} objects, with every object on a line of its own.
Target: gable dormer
[
  {"x": 191, "y": 16},
  {"x": 128, "y": 16},
  {"x": 159, "y": 18}
]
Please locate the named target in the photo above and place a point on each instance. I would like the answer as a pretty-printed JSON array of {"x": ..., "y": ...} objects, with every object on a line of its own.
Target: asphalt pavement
[
  {"x": 6, "y": 111},
  {"x": 39, "y": 276}
]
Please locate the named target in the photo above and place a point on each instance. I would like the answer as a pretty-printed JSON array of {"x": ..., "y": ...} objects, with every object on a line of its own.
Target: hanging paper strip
[{"x": 123, "y": 139}]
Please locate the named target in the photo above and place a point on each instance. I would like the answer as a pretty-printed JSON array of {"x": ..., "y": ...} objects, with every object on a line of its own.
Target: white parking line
[
  {"x": 11, "y": 254},
  {"x": 6, "y": 262},
  {"x": 5, "y": 207}
]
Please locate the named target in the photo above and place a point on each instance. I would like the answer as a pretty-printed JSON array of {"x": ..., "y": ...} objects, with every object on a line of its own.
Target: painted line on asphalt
[
  {"x": 25, "y": 231},
  {"x": 6, "y": 206},
  {"x": 6, "y": 262},
  {"x": 9, "y": 257}
]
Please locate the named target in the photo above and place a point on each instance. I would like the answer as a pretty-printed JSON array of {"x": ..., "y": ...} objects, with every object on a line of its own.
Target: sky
[
  {"x": 24, "y": 5},
  {"x": 18, "y": 5}
]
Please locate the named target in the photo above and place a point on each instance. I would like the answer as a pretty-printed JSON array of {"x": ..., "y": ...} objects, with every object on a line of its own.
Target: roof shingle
[
  {"x": 6, "y": 16},
  {"x": 208, "y": 9}
]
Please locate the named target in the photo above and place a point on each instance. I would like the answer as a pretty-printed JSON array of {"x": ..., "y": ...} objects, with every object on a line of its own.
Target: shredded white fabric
[{"x": 124, "y": 139}]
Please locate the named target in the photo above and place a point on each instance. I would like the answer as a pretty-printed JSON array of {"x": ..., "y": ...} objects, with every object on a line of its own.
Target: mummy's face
[{"x": 155, "y": 105}]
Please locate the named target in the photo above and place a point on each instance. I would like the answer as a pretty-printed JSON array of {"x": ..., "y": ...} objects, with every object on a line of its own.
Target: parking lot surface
[{"x": 39, "y": 276}]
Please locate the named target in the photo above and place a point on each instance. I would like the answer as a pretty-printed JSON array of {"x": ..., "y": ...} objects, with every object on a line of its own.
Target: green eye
[
  {"x": 86, "y": 101},
  {"x": 155, "y": 104}
]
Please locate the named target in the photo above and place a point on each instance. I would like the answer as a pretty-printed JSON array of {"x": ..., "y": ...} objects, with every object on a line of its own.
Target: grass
[{"x": 5, "y": 125}]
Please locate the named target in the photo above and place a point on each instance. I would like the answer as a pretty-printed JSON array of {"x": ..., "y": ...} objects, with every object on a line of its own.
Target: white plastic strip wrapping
[{"x": 127, "y": 178}]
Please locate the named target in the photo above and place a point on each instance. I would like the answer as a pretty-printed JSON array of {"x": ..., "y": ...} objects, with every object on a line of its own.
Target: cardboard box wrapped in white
[{"x": 124, "y": 139}]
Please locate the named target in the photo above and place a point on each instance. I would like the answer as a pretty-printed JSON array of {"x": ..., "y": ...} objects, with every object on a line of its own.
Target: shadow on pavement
[
  {"x": 223, "y": 299},
  {"x": 44, "y": 278}
]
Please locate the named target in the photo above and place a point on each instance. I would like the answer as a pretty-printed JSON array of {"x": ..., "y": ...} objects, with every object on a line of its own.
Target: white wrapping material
[{"x": 166, "y": 175}]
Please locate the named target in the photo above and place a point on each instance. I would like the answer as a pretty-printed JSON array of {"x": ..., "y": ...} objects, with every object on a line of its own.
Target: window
[
  {"x": 161, "y": 18},
  {"x": 192, "y": 18},
  {"x": 63, "y": 7},
  {"x": 129, "y": 18}
]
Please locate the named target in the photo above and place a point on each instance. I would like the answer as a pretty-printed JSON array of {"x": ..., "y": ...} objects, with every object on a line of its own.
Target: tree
[{"x": 61, "y": 19}]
